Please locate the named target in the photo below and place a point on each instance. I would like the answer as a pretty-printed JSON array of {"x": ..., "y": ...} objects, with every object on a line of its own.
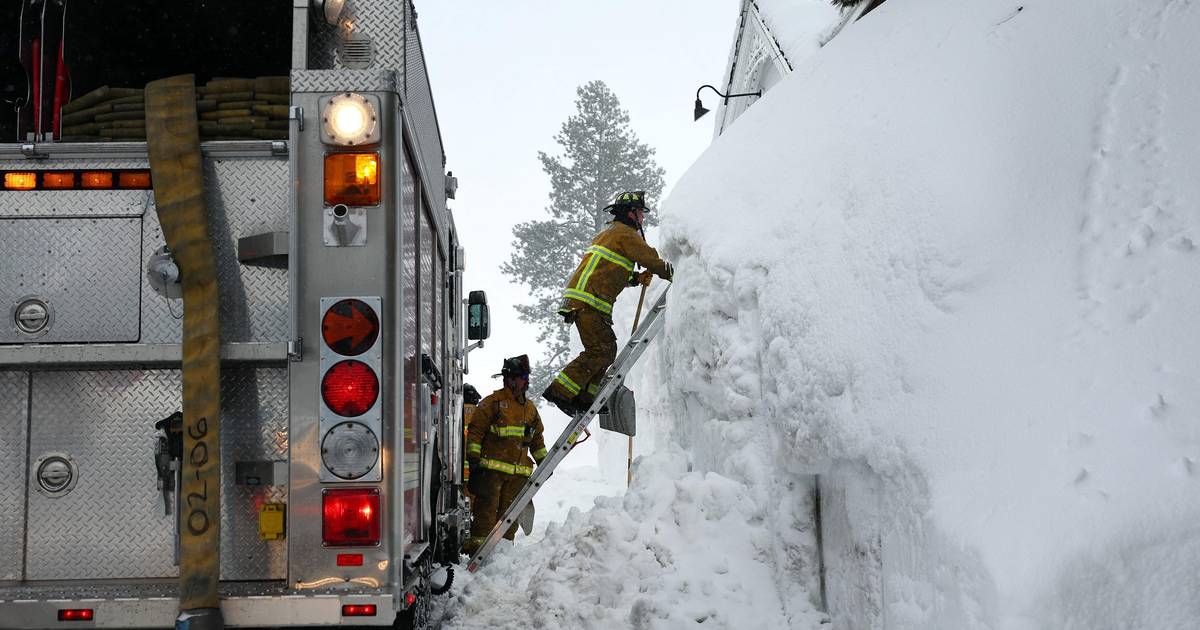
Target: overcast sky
[{"x": 504, "y": 78}]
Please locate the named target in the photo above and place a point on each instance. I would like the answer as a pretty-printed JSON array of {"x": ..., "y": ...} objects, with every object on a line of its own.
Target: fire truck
[{"x": 325, "y": 488}]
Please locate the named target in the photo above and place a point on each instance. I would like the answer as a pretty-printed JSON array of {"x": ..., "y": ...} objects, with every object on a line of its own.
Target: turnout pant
[
  {"x": 581, "y": 378},
  {"x": 494, "y": 492}
]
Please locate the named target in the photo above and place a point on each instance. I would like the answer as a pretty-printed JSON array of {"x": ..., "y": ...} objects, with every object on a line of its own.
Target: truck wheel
[{"x": 417, "y": 615}]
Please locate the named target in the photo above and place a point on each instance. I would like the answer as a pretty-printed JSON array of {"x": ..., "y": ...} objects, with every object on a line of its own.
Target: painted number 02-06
[{"x": 197, "y": 502}]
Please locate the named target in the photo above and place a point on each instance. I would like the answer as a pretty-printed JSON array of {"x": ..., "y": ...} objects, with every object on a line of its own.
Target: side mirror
[{"x": 478, "y": 317}]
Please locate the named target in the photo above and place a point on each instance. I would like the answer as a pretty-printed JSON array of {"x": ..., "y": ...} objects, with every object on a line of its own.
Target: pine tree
[{"x": 601, "y": 156}]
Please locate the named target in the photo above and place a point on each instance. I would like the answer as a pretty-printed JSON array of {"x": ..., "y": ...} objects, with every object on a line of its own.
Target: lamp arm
[{"x": 725, "y": 96}]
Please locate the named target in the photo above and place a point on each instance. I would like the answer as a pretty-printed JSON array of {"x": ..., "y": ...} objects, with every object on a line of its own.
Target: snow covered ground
[
  {"x": 679, "y": 549},
  {"x": 949, "y": 265}
]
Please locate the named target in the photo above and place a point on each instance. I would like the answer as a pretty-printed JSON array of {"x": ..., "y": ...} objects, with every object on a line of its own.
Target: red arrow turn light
[{"x": 350, "y": 327}]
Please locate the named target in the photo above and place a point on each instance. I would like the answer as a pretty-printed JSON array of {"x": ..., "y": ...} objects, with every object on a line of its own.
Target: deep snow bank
[
  {"x": 680, "y": 549},
  {"x": 950, "y": 263}
]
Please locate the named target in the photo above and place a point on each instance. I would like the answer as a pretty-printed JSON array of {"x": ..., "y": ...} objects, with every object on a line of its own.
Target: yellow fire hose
[{"x": 173, "y": 138}]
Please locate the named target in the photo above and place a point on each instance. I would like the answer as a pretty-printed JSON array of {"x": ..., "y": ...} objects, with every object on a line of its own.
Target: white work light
[{"x": 349, "y": 119}]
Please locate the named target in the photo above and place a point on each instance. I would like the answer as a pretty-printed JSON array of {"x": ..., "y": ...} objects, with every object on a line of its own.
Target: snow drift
[
  {"x": 679, "y": 549},
  {"x": 950, "y": 265},
  {"x": 943, "y": 277}
]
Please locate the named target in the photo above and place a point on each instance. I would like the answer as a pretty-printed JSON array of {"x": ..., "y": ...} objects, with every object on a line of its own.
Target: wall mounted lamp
[{"x": 700, "y": 110}]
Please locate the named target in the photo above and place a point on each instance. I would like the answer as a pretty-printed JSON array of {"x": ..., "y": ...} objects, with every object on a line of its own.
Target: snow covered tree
[{"x": 601, "y": 156}]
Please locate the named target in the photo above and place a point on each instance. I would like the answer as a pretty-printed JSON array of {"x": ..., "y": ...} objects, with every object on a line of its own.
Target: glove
[
  {"x": 670, "y": 272},
  {"x": 644, "y": 278}
]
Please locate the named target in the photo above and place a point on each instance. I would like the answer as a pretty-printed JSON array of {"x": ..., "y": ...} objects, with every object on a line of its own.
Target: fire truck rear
[{"x": 342, "y": 323}]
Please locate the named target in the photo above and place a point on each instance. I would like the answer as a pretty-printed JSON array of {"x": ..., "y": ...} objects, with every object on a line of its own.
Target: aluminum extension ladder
[{"x": 629, "y": 355}]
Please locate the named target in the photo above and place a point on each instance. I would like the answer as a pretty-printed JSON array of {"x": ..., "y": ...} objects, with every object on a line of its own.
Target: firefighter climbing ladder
[{"x": 616, "y": 376}]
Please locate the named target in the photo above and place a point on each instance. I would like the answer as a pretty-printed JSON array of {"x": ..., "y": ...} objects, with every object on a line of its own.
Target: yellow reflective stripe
[
  {"x": 474, "y": 448},
  {"x": 540, "y": 454},
  {"x": 504, "y": 467},
  {"x": 589, "y": 299},
  {"x": 593, "y": 388},
  {"x": 570, "y": 385},
  {"x": 508, "y": 431},
  {"x": 571, "y": 438},
  {"x": 588, "y": 270},
  {"x": 611, "y": 256}
]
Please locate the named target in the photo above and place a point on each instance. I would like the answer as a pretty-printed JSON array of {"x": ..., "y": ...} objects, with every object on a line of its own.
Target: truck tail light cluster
[
  {"x": 350, "y": 389},
  {"x": 350, "y": 517}
]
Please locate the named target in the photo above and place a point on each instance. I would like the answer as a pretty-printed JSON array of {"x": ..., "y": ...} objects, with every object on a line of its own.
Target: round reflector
[
  {"x": 350, "y": 388},
  {"x": 350, "y": 450},
  {"x": 350, "y": 327}
]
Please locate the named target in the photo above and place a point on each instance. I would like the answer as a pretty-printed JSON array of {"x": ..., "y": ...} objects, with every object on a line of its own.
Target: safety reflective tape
[
  {"x": 567, "y": 383},
  {"x": 474, "y": 448},
  {"x": 611, "y": 256},
  {"x": 509, "y": 431},
  {"x": 504, "y": 467},
  {"x": 571, "y": 438},
  {"x": 593, "y": 388},
  {"x": 589, "y": 299},
  {"x": 588, "y": 270},
  {"x": 540, "y": 454}
]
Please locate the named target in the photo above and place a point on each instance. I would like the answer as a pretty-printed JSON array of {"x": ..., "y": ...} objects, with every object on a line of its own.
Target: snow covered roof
[{"x": 773, "y": 37}]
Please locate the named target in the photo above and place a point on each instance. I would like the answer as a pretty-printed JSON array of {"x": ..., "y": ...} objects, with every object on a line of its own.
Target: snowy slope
[{"x": 950, "y": 264}]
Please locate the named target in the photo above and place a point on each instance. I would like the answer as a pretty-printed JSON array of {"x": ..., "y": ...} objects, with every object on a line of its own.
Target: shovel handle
[{"x": 637, "y": 317}]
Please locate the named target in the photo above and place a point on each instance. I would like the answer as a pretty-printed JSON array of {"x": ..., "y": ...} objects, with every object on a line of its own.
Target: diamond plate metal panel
[
  {"x": 377, "y": 20},
  {"x": 74, "y": 203},
  {"x": 112, "y": 525},
  {"x": 245, "y": 196},
  {"x": 86, "y": 270},
  {"x": 343, "y": 80},
  {"x": 254, "y": 406},
  {"x": 418, "y": 102},
  {"x": 14, "y": 420}
]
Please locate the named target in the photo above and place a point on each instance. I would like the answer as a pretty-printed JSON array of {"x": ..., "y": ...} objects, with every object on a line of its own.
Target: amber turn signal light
[
  {"x": 352, "y": 179},
  {"x": 134, "y": 179},
  {"x": 20, "y": 181},
  {"x": 97, "y": 179},
  {"x": 58, "y": 181}
]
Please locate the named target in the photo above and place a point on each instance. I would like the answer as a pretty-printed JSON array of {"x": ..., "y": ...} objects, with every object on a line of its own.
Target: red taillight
[
  {"x": 358, "y": 610},
  {"x": 350, "y": 388},
  {"x": 351, "y": 517},
  {"x": 75, "y": 614},
  {"x": 409, "y": 599},
  {"x": 350, "y": 327},
  {"x": 349, "y": 559}
]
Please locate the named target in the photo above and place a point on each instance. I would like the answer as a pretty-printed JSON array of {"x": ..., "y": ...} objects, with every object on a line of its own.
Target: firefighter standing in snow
[
  {"x": 504, "y": 427},
  {"x": 470, "y": 401},
  {"x": 607, "y": 268}
]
